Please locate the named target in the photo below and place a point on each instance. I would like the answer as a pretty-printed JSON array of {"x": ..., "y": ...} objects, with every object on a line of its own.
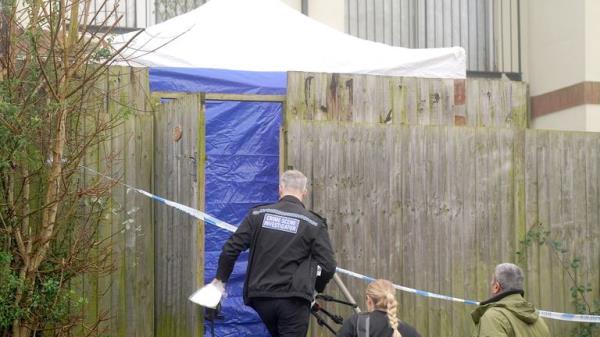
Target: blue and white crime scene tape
[{"x": 231, "y": 228}]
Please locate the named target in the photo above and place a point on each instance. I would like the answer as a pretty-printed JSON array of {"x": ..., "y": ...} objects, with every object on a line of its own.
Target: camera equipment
[
  {"x": 209, "y": 298},
  {"x": 317, "y": 309},
  {"x": 212, "y": 314}
]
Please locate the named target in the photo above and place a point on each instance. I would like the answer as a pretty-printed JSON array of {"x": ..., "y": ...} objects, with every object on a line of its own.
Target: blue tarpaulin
[
  {"x": 242, "y": 167},
  {"x": 218, "y": 81}
]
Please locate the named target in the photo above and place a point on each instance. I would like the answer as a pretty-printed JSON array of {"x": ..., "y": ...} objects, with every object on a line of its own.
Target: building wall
[
  {"x": 329, "y": 12},
  {"x": 569, "y": 119},
  {"x": 556, "y": 44},
  {"x": 487, "y": 29},
  {"x": 561, "y": 55},
  {"x": 592, "y": 118},
  {"x": 580, "y": 118},
  {"x": 296, "y": 4},
  {"x": 592, "y": 40}
]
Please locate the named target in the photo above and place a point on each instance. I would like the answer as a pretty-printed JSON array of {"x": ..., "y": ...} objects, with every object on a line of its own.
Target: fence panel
[
  {"x": 437, "y": 207},
  {"x": 179, "y": 237},
  {"x": 406, "y": 101},
  {"x": 122, "y": 301}
]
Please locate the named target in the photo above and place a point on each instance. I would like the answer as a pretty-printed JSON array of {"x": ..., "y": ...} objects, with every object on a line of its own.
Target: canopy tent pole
[{"x": 345, "y": 291}]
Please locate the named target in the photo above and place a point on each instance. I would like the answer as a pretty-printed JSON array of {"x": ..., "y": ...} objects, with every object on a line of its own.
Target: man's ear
[{"x": 496, "y": 287}]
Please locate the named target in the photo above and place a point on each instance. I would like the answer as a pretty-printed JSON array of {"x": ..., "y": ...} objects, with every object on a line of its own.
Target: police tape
[
  {"x": 231, "y": 228},
  {"x": 570, "y": 317},
  {"x": 407, "y": 289},
  {"x": 548, "y": 314}
]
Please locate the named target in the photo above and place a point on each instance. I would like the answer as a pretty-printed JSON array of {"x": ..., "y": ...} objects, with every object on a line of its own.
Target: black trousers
[{"x": 284, "y": 317}]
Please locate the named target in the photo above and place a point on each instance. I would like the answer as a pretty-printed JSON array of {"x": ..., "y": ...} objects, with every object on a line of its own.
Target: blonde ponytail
[
  {"x": 392, "y": 307},
  {"x": 382, "y": 293}
]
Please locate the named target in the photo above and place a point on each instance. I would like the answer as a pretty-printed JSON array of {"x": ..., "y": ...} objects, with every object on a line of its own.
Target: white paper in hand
[{"x": 208, "y": 296}]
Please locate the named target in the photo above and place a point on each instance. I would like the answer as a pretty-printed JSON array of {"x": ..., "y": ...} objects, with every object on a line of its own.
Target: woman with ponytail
[{"x": 380, "y": 320}]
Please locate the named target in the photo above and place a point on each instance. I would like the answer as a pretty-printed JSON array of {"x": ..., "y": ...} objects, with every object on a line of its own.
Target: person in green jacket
[{"x": 507, "y": 313}]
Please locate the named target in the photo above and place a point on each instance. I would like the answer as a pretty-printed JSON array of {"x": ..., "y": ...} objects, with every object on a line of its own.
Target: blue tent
[{"x": 242, "y": 167}]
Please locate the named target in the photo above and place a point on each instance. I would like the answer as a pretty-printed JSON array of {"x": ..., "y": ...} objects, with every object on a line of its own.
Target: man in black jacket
[{"x": 287, "y": 245}]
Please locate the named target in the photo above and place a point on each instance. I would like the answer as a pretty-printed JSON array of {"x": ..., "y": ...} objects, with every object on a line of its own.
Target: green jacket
[{"x": 509, "y": 315}]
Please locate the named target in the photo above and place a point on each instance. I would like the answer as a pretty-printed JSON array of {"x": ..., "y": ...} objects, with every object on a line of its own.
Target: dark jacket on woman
[{"x": 379, "y": 326}]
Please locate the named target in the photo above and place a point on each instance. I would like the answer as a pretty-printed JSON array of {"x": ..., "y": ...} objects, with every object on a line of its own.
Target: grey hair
[
  {"x": 509, "y": 276},
  {"x": 293, "y": 180}
]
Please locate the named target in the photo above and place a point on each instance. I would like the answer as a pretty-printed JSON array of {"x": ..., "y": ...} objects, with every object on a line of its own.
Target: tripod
[
  {"x": 317, "y": 309},
  {"x": 211, "y": 315}
]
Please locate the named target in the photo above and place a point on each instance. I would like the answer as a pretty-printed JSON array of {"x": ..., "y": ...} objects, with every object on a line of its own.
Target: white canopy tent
[{"x": 268, "y": 35}]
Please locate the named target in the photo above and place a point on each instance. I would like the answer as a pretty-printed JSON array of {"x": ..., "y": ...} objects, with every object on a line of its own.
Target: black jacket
[
  {"x": 379, "y": 326},
  {"x": 286, "y": 244}
]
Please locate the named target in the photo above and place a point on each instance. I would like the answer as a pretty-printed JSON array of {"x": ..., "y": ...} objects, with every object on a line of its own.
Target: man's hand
[
  {"x": 219, "y": 285},
  {"x": 314, "y": 299},
  {"x": 210, "y": 295}
]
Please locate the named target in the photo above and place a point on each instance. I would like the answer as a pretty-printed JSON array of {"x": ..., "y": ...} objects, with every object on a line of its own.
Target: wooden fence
[
  {"x": 124, "y": 300},
  {"x": 406, "y": 101},
  {"x": 434, "y": 207},
  {"x": 179, "y": 176},
  {"x": 157, "y": 251},
  {"x": 437, "y": 207}
]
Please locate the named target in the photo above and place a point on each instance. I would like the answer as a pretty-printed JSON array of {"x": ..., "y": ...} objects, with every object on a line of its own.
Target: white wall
[
  {"x": 592, "y": 40},
  {"x": 524, "y": 6},
  {"x": 297, "y": 4},
  {"x": 579, "y": 118},
  {"x": 561, "y": 47},
  {"x": 592, "y": 118},
  {"x": 592, "y": 59},
  {"x": 329, "y": 12},
  {"x": 556, "y": 44},
  {"x": 573, "y": 119}
]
